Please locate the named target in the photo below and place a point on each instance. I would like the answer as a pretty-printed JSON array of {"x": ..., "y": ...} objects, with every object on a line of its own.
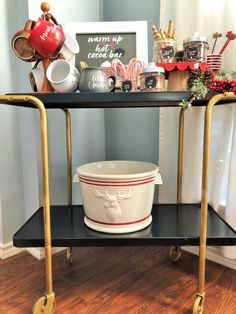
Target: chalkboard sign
[
  {"x": 97, "y": 48},
  {"x": 126, "y": 86},
  {"x": 192, "y": 53},
  {"x": 104, "y": 41},
  {"x": 168, "y": 52},
  {"x": 150, "y": 82}
]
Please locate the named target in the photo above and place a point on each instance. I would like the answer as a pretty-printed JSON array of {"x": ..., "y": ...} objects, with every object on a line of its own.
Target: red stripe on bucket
[
  {"x": 116, "y": 183},
  {"x": 97, "y": 183},
  {"x": 120, "y": 223}
]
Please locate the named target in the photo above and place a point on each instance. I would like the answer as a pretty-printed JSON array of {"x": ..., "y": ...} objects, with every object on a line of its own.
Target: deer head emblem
[{"x": 111, "y": 203}]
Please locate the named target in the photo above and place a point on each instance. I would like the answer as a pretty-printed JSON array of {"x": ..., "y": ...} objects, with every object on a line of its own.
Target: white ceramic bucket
[{"x": 118, "y": 195}]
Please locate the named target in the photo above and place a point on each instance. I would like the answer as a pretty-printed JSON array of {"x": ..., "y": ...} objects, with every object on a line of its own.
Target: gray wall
[
  {"x": 132, "y": 133},
  {"x": 134, "y": 10},
  {"x": 13, "y": 16}
]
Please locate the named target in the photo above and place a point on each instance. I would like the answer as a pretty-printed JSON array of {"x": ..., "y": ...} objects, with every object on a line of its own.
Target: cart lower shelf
[{"x": 173, "y": 224}]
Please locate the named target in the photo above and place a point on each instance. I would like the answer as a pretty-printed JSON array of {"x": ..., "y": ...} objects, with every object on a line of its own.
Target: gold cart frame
[{"x": 46, "y": 304}]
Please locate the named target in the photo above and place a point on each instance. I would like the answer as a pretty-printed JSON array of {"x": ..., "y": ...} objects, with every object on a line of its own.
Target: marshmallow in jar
[
  {"x": 195, "y": 48},
  {"x": 152, "y": 79}
]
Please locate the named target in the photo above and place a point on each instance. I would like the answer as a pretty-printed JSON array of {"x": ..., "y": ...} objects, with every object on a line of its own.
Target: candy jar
[{"x": 195, "y": 48}]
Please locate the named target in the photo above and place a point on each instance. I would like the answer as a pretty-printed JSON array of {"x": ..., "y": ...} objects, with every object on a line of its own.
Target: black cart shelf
[{"x": 174, "y": 225}]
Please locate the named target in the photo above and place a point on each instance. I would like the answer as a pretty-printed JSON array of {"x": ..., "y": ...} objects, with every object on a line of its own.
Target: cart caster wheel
[
  {"x": 69, "y": 255},
  {"x": 44, "y": 305},
  {"x": 175, "y": 253},
  {"x": 198, "y": 305}
]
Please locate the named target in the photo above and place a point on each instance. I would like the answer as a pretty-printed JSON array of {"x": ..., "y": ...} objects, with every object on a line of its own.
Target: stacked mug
[{"x": 46, "y": 39}]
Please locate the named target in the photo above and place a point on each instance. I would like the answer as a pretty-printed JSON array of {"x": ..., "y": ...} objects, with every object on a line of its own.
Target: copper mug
[{"x": 20, "y": 45}]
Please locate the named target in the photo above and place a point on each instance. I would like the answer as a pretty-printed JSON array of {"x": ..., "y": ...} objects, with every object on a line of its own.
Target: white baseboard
[
  {"x": 39, "y": 253},
  {"x": 8, "y": 250},
  {"x": 212, "y": 254}
]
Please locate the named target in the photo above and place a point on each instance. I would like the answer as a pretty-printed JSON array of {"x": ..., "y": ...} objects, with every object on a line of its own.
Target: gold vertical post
[
  {"x": 69, "y": 253},
  {"x": 68, "y": 156},
  {"x": 204, "y": 196},
  {"x": 180, "y": 155},
  {"x": 199, "y": 302},
  {"x": 46, "y": 195},
  {"x": 46, "y": 303},
  {"x": 175, "y": 251}
]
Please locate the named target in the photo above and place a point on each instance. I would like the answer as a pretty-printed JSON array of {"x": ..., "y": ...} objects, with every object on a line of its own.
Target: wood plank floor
[{"x": 132, "y": 280}]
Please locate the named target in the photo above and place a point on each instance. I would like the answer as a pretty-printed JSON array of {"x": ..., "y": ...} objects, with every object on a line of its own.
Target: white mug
[
  {"x": 70, "y": 48},
  {"x": 63, "y": 76},
  {"x": 36, "y": 77}
]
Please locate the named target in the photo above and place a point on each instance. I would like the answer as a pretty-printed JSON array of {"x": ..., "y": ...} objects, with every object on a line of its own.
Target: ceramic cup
[
  {"x": 36, "y": 77},
  {"x": 63, "y": 76},
  {"x": 46, "y": 38},
  {"x": 95, "y": 80},
  {"x": 70, "y": 47}
]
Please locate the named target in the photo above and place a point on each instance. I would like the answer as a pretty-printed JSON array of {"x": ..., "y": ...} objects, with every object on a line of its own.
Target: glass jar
[
  {"x": 195, "y": 48},
  {"x": 164, "y": 50},
  {"x": 152, "y": 79}
]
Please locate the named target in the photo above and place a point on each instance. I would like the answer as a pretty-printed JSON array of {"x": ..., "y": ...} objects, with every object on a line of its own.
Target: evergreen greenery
[{"x": 198, "y": 90}]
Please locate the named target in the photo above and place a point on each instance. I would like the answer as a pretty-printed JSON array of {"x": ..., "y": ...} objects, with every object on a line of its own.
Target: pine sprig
[
  {"x": 185, "y": 104},
  {"x": 229, "y": 75},
  {"x": 198, "y": 90}
]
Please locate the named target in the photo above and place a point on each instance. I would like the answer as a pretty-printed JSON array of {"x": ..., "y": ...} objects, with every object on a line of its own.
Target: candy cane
[
  {"x": 118, "y": 68},
  {"x": 129, "y": 71},
  {"x": 134, "y": 68}
]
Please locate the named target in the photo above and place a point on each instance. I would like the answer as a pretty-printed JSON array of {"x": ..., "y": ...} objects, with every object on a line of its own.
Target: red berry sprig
[{"x": 223, "y": 86}]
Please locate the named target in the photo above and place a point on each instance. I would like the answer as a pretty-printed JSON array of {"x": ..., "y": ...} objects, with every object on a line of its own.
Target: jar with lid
[
  {"x": 152, "y": 78},
  {"x": 164, "y": 50},
  {"x": 195, "y": 48}
]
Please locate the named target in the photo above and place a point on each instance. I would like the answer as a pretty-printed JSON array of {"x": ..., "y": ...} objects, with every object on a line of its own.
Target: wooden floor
[{"x": 116, "y": 280}]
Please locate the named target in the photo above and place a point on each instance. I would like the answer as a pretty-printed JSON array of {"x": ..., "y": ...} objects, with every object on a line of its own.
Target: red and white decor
[{"x": 118, "y": 195}]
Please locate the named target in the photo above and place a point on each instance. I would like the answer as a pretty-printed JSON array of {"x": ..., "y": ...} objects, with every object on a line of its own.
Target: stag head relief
[{"x": 111, "y": 203}]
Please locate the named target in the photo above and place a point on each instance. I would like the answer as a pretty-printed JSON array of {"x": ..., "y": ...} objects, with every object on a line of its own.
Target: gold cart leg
[
  {"x": 46, "y": 304},
  {"x": 69, "y": 253},
  {"x": 180, "y": 156},
  {"x": 199, "y": 301},
  {"x": 175, "y": 251}
]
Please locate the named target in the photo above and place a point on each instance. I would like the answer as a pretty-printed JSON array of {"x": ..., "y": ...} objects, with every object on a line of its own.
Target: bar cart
[{"x": 60, "y": 226}]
